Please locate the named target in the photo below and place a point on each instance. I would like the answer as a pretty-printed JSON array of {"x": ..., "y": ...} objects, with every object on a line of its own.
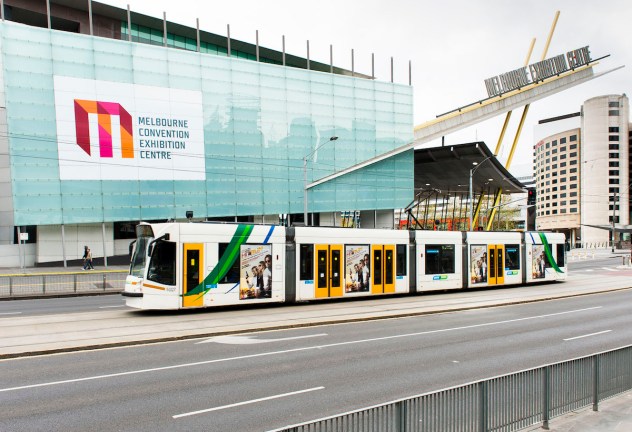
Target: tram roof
[{"x": 447, "y": 169}]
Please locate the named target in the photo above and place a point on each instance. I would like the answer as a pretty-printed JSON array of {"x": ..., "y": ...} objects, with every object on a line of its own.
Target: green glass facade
[{"x": 259, "y": 121}]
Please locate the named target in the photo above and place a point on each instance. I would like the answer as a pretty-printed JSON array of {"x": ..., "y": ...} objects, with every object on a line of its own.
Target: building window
[
  {"x": 573, "y": 154},
  {"x": 613, "y": 146},
  {"x": 562, "y": 149},
  {"x": 562, "y": 141},
  {"x": 554, "y": 211},
  {"x": 573, "y": 138},
  {"x": 573, "y": 178},
  {"x": 613, "y": 113},
  {"x": 573, "y": 194},
  {"x": 563, "y": 187},
  {"x": 613, "y": 104},
  {"x": 613, "y": 155},
  {"x": 573, "y": 210},
  {"x": 573, "y": 162},
  {"x": 562, "y": 156},
  {"x": 613, "y": 138},
  {"x": 613, "y": 129},
  {"x": 573, "y": 202},
  {"x": 613, "y": 164},
  {"x": 613, "y": 190},
  {"x": 563, "y": 195},
  {"x": 563, "y": 211},
  {"x": 574, "y": 186},
  {"x": 562, "y": 165},
  {"x": 613, "y": 172},
  {"x": 563, "y": 203},
  {"x": 613, "y": 181},
  {"x": 573, "y": 170}
]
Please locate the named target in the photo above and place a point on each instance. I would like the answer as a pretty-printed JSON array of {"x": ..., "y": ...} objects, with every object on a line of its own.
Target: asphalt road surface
[{"x": 263, "y": 381}]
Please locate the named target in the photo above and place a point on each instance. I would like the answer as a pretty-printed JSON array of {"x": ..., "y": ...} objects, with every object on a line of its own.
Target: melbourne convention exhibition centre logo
[{"x": 118, "y": 131}]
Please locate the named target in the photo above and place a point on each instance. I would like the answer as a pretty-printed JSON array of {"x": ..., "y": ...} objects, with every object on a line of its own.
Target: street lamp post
[
  {"x": 333, "y": 138},
  {"x": 472, "y": 171}
]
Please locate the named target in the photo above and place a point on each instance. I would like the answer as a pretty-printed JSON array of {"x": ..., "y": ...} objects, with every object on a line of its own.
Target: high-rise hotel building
[{"x": 582, "y": 171}]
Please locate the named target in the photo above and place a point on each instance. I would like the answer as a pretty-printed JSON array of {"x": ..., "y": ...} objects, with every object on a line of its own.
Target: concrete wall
[
  {"x": 10, "y": 255},
  {"x": 49, "y": 241}
]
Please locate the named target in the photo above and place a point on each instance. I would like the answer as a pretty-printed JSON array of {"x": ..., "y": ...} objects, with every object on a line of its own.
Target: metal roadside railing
[
  {"x": 505, "y": 403},
  {"x": 61, "y": 283}
]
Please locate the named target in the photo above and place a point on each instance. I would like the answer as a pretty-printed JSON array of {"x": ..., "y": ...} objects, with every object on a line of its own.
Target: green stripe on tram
[
  {"x": 226, "y": 261},
  {"x": 549, "y": 255}
]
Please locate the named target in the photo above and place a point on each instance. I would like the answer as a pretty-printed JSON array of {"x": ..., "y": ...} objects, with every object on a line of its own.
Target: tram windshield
[{"x": 144, "y": 236}]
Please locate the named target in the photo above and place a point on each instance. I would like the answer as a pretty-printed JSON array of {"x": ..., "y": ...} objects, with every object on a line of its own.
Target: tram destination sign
[{"x": 536, "y": 72}]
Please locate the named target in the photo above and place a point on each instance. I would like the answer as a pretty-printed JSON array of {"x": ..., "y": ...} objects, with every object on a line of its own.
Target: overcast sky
[{"x": 454, "y": 45}]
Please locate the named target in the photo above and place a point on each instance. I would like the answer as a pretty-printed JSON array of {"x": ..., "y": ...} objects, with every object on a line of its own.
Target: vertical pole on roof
[
  {"x": 105, "y": 251},
  {"x": 228, "y": 39},
  {"x": 410, "y": 72},
  {"x": 63, "y": 244},
  {"x": 391, "y": 69},
  {"x": 308, "y": 54},
  {"x": 91, "y": 34},
  {"x": 352, "y": 63},
  {"x": 129, "y": 24},
  {"x": 2, "y": 9},
  {"x": 257, "y": 46},
  {"x": 164, "y": 28},
  {"x": 283, "y": 43},
  {"x": 434, "y": 215},
  {"x": 453, "y": 213},
  {"x": 331, "y": 58},
  {"x": 197, "y": 34},
  {"x": 372, "y": 65},
  {"x": 17, "y": 233},
  {"x": 48, "y": 13}
]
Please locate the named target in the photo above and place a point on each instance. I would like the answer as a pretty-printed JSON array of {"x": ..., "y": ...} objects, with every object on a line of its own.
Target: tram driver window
[
  {"x": 512, "y": 257},
  {"x": 439, "y": 259},
  {"x": 162, "y": 266},
  {"x": 561, "y": 254},
  {"x": 401, "y": 260}
]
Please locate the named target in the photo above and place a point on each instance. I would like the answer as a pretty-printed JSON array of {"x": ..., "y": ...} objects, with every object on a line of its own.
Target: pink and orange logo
[{"x": 104, "y": 111}]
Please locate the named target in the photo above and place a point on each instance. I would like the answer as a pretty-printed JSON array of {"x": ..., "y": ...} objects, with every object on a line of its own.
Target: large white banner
[{"x": 116, "y": 131}]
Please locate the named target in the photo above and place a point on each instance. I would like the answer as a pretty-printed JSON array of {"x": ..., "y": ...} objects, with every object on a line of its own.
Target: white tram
[{"x": 194, "y": 265}]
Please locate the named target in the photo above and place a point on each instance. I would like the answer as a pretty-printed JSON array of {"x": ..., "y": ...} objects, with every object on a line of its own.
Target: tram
[{"x": 195, "y": 265}]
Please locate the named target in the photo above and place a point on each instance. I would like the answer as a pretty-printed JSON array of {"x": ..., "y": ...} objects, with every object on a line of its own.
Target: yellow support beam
[
  {"x": 477, "y": 210},
  {"x": 499, "y": 194}
]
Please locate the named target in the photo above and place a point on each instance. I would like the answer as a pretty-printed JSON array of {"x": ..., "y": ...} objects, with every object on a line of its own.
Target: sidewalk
[{"x": 614, "y": 415}]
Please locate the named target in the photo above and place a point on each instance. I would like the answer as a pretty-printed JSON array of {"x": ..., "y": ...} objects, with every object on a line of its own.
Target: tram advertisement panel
[
  {"x": 357, "y": 270},
  {"x": 478, "y": 264},
  {"x": 539, "y": 262},
  {"x": 255, "y": 272}
]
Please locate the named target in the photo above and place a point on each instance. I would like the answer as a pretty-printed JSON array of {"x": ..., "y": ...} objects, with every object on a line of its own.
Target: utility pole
[{"x": 614, "y": 213}]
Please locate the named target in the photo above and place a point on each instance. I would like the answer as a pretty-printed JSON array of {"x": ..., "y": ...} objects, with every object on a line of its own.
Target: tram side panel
[
  {"x": 545, "y": 256},
  {"x": 438, "y": 260},
  {"x": 340, "y": 262},
  {"x": 494, "y": 258}
]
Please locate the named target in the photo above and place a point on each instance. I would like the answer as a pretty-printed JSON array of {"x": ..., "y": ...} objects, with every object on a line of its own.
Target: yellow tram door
[
  {"x": 328, "y": 267},
  {"x": 192, "y": 274},
  {"x": 382, "y": 270},
  {"x": 496, "y": 264}
]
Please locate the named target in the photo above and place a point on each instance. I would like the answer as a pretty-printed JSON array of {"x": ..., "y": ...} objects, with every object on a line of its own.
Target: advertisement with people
[
  {"x": 255, "y": 271},
  {"x": 539, "y": 262},
  {"x": 357, "y": 270},
  {"x": 478, "y": 264}
]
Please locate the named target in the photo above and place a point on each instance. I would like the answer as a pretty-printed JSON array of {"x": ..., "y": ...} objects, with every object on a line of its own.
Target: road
[{"x": 262, "y": 381}]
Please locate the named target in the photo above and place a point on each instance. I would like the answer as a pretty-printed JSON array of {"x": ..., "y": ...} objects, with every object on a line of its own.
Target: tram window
[
  {"x": 388, "y": 269},
  {"x": 561, "y": 251},
  {"x": 307, "y": 262},
  {"x": 512, "y": 257},
  {"x": 162, "y": 266},
  {"x": 232, "y": 276},
  {"x": 439, "y": 259},
  {"x": 401, "y": 260}
]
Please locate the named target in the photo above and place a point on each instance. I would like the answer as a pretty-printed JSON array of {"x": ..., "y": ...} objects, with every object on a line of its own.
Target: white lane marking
[
  {"x": 588, "y": 335},
  {"x": 609, "y": 269},
  {"x": 10, "y": 313},
  {"x": 247, "y": 402},
  {"x": 247, "y": 340},
  {"x": 589, "y": 270},
  {"x": 287, "y": 351},
  {"x": 105, "y": 307}
]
